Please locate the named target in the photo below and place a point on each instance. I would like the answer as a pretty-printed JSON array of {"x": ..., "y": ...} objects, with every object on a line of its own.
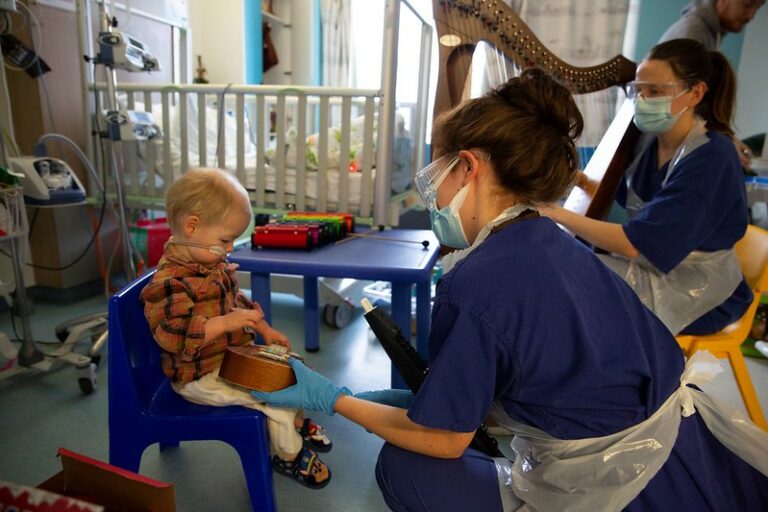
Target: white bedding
[{"x": 402, "y": 174}]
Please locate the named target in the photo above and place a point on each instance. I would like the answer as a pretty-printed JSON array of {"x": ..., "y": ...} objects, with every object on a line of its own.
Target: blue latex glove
[
  {"x": 401, "y": 398},
  {"x": 312, "y": 391}
]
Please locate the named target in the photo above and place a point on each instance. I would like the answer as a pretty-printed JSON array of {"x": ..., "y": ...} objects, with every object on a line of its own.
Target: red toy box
[{"x": 150, "y": 236}]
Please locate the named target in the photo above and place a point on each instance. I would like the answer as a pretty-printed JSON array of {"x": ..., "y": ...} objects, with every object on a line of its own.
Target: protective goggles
[
  {"x": 213, "y": 249},
  {"x": 649, "y": 90},
  {"x": 429, "y": 179}
]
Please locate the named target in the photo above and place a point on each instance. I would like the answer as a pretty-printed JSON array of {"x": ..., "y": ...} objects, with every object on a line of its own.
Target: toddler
[{"x": 196, "y": 310}]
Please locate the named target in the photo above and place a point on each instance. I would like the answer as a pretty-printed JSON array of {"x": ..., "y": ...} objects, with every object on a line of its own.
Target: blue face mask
[
  {"x": 446, "y": 222},
  {"x": 654, "y": 115}
]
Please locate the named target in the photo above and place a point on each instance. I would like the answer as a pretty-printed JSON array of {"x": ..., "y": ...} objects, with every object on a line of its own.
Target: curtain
[
  {"x": 336, "y": 43},
  {"x": 582, "y": 34}
]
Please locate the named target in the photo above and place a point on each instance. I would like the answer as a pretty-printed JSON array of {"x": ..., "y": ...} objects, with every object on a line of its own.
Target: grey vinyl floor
[{"x": 40, "y": 412}]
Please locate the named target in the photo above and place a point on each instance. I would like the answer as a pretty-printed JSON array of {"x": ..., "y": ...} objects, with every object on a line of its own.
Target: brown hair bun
[{"x": 528, "y": 125}]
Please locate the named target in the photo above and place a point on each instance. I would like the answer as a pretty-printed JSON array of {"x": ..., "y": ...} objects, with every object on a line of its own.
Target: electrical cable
[
  {"x": 3, "y": 149},
  {"x": 8, "y": 140},
  {"x": 7, "y": 27},
  {"x": 30, "y": 14},
  {"x": 132, "y": 250},
  {"x": 120, "y": 212},
  {"x": 222, "y": 119},
  {"x": 108, "y": 270},
  {"x": 11, "y": 29},
  {"x": 43, "y": 81},
  {"x": 41, "y": 77},
  {"x": 78, "y": 152},
  {"x": 50, "y": 111},
  {"x": 83, "y": 253},
  {"x": 102, "y": 153},
  {"x": 13, "y": 325},
  {"x": 89, "y": 166},
  {"x": 34, "y": 220},
  {"x": 125, "y": 234},
  {"x": 80, "y": 256}
]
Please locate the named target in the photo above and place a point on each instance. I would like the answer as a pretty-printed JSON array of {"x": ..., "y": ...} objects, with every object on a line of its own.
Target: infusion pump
[
  {"x": 123, "y": 51},
  {"x": 47, "y": 181}
]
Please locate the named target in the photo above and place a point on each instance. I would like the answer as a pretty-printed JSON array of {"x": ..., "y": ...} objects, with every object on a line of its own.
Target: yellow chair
[{"x": 752, "y": 251}]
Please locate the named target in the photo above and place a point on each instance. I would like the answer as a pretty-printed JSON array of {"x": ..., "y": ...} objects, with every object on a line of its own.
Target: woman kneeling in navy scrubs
[
  {"x": 684, "y": 194},
  {"x": 531, "y": 328}
]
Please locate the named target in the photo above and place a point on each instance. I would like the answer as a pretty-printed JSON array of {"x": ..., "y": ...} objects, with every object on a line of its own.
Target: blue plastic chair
[{"x": 144, "y": 409}]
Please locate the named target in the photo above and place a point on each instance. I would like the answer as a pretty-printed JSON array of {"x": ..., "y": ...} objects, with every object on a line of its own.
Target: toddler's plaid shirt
[{"x": 179, "y": 300}]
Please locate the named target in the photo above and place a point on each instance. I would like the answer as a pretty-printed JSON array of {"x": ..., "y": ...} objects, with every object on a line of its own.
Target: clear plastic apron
[
  {"x": 607, "y": 473},
  {"x": 700, "y": 283}
]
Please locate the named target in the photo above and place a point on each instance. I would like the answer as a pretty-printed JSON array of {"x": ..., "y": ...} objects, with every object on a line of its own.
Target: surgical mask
[
  {"x": 446, "y": 222},
  {"x": 654, "y": 115},
  {"x": 213, "y": 249}
]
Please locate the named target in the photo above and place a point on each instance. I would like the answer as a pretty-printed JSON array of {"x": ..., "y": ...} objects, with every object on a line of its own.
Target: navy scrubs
[
  {"x": 702, "y": 207},
  {"x": 534, "y": 320}
]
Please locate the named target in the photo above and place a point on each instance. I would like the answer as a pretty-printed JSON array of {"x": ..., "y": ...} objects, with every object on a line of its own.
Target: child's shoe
[
  {"x": 314, "y": 436},
  {"x": 306, "y": 468}
]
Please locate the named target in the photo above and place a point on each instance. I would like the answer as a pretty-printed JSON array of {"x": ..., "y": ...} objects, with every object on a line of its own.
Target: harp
[{"x": 463, "y": 24}]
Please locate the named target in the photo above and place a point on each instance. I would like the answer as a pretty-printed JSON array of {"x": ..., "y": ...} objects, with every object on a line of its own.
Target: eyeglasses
[
  {"x": 654, "y": 89},
  {"x": 429, "y": 179}
]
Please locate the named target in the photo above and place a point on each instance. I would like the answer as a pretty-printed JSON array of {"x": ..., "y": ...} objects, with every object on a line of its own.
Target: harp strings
[{"x": 582, "y": 34}]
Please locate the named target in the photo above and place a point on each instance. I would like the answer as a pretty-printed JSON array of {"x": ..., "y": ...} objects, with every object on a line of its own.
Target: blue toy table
[{"x": 403, "y": 264}]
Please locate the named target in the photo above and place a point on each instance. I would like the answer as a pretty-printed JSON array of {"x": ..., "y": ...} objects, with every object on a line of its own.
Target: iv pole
[{"x": 110, "y": 79}]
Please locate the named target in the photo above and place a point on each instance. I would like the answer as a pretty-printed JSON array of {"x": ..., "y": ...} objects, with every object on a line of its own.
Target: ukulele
[{"x": 258, "y": 367}]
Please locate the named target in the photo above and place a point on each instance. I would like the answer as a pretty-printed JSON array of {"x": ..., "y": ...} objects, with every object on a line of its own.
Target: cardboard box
[{"x": 97, "y": 483}]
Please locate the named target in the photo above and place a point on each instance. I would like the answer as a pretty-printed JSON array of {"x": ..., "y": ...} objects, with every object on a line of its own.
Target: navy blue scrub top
[
  {"x": 702, "y": 207},
  {"x": 534, "y": 319}
]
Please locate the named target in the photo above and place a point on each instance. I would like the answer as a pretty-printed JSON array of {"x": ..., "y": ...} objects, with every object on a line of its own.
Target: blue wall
[
  {"x": 254, "y": 53},
  {"x": 317, "y": 54},
  {"x": 657, "y": 15}
]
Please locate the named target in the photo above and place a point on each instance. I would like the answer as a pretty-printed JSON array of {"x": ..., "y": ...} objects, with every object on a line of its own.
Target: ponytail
[{"x": 719, "y": 104}]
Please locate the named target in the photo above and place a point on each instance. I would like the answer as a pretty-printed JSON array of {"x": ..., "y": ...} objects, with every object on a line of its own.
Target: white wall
[
  {"x": 303, "y": 30},
  {"x": 752, "y": 95},
  {"x": 217, "y": 35}
]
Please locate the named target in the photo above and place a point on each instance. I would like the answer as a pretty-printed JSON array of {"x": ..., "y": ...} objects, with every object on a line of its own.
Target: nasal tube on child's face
[{"x": 213, "y": 249}]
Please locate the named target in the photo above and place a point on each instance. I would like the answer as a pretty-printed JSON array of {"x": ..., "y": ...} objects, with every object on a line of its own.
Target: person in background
[
  {"x": 684, "y": 194},
  {"x": 708, "y": 21},
  {"x": 196, "y": 310},
  {"x": 529, "y": 326}
]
